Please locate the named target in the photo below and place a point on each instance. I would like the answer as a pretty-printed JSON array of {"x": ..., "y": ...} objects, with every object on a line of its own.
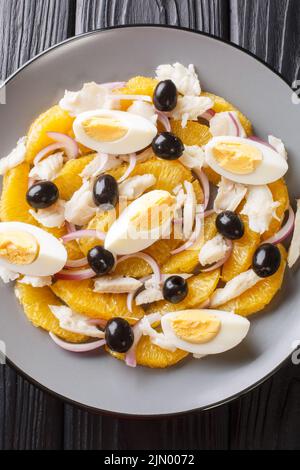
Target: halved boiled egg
[
  {"x": 29, "y": 250},
  {"x": 204, "y": 332},
  {"x": 114, "y": 132},
  {"x": 244, "y": 161},
  {"x": 144, "y": 221}
]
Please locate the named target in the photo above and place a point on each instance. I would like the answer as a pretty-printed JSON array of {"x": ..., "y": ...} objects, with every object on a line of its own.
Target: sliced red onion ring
[
  {"x": 194, "y": 237},
  {"x": 70, "y": 145},
  {"x": 98, "y": 322},
  {"x": 208, "y": 115},
  {"x": 132, "y": 97},
  {"x": 151, "y": 261},
  {"x": 70, "y": 227},
  {"x": 79, "y": 275},
  {"x": 263, "y": 142},
  {"x": 45, "y": 152},
  {"x": 163, "y": 119},
  {"x": 221, "y": 262},
  {"x": 83, "y": 234},
  {"x": 285, "y": 231},
  {"x": 77, "y": 348},
  {"x": 76, "y": 263},
  {"x": 208, "y": 213},
  {"x": 130, "y": 358},
  {"x": 236, "y": 125},
  {"x": 130, "y": 168},
  {"x": 113, "y": 85},
  {"x": 201, "y": 176},
  {"x": 131, "y": 295}
]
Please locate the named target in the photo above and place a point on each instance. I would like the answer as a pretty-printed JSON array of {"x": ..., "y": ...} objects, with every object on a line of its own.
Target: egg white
[
  {"x": 272, "y": 167},
  {"x": 123, "y": 239},
  {"x": 52, "y": 255},
  {"x": 233, "y": 330},
  {"x": 140, "y": 133}
]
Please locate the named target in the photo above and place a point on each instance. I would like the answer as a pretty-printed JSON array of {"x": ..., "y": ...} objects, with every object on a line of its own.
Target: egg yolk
[
  {"x": 104, "y": 129},
  {"x": 196, "y": 327},
  {"x": 236, "y": 157},
  {"x": 155, "y": 212},
  {"x": 18, "y": 247}
]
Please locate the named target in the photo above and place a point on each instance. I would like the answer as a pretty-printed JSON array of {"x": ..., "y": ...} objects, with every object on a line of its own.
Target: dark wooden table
[{"x": 268, "y": 417}]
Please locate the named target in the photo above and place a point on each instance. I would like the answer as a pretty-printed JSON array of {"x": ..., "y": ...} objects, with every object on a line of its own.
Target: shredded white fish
[
  {"x": 37, "y": 281},
  {"x": 260, "y": 208},
  {"x": 213, "y": 250},
  {"x": 74, "y": 322},
  {"x": 48, "y": 168},
  {"x": 294, "y": 251},
  {"x": 53, "y": 216},
  {"x": 81, "y": 207},
  {"x": 134, "y": 187},
  {"x": 185, "y": 78},
  {"x": 278, "y": 146},
  {"x": 222, "y": 125},
  {"x": 147, "y": 296},
  {"x": 189, "y": 108},
  {"x": 229, "y": 195},
  {"x": 193, "y": 156},
  {"x": 15, "y": 158},
  {"x": 146, "y": 110},
  {"x": 100, "y": 164},
  {"x": 8, "y": 276},
  {"x": 156, "y": 338},
  {"x": 237, "y": 286},
  {"x": 91, "y": 97},
  {"x": 117, "y": 284}
]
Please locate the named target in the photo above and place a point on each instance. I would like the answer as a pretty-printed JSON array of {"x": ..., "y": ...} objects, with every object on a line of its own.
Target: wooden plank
[
  {"x": 271, "y": 30},
  {"x": 204, "y": 15},
  {"x": 29, "y": 418}
]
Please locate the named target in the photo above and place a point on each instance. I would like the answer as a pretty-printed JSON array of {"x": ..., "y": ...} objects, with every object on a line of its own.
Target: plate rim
[{"x": 96, "y": 410}]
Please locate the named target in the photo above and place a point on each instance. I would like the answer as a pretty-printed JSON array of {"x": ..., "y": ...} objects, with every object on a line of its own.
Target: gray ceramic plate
[{"x": 98, "y": 381}]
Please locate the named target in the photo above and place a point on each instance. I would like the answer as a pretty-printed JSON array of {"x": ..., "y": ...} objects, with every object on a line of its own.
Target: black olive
[
  {"x": 119, "y": 335},
  {"x": 230, "y": 225},
  {"x": 42, "y": 195},
  {"x": 100, "y": 260},
  {"x": 106, "y": 191},
  {"x": 167, "y": 146},
  {"x": 165, "y": 96},
  {"x": 175, "y": 289},
  {"x": 266, "y": 260}
]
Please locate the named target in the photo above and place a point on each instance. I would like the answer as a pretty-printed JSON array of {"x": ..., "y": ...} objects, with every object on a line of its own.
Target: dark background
[{"x": 266, "y": 418}]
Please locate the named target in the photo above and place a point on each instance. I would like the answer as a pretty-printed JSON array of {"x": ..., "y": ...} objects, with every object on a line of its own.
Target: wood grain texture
[
  {"x": 205, "y": 15},
  {"x": 271, "y": 30},
  {"x": 269, "y": 416}
]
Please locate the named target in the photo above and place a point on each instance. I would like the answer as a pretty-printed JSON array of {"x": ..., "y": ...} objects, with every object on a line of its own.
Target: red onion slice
[
  {"x": 83, "y": 234},
  {"x": 132, "y": 97},
  {"x": 98, "y": 322},
  {"x": 76, "y": 263},
  {"x": 77, "y": 348},
  {"x": 46, "y": 152},
  {"x": 151, "y": 261},
  {"x": 79, "y": 275},
  {"x": 201, "y": 176},
  {"x": 68, "y": 144},
  {"x": 194, "y": 237},
  {"x": 208, "y": 115},
  {"x": 263, "y": 142},
  {"x": 236, "y": 125},
  {"x": 163, "y": 119},
  {"x": 222, "y": 261},
  {"x": 131, "y": 167},
  {"x": 130, "y": 358},
  {"x": 285, "y": 231},
  {"x": 70, "y": 227}
]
